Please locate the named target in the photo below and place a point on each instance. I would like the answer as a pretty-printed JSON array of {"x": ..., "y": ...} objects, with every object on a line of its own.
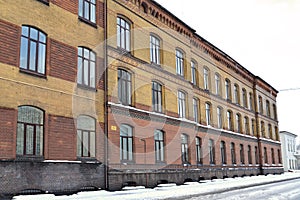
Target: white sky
[{"x": 262, "y": 35}]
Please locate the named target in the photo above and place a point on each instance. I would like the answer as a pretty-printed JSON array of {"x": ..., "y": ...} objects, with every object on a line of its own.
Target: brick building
[{"x": 106, "y": 93}]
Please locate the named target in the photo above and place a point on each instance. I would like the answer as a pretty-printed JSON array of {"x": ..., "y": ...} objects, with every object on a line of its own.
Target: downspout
[
  {"x": 105, "y": 100},
  {"x": 259, "y": 147}
]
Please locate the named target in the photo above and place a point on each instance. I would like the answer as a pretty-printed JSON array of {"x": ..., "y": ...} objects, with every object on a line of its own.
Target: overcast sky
[{"x": 262, "y": 35}]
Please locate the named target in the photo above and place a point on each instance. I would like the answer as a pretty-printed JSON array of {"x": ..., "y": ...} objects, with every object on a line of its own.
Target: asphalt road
[{"x": 286, "y": 190}]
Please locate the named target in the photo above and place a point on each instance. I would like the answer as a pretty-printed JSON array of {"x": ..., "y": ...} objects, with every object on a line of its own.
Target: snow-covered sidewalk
[{"x": 165, "y": 191}]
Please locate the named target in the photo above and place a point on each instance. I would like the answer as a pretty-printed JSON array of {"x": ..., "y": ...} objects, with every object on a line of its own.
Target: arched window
[
  {"x": 126, "y": 143},
  {"x": 253, "y": 127},
  {"x": 244, "y": 93},
  {"x": 250, "y": 101},
  {"x": 196, "y": 109},
  {"x": 236, "y": 91},
  {"x": 220, "y": 117},
  {"x": 184, "y": 149},
  {"x": 86, "y": 136},
  {"x": 30, "y": 131},
  {"x": 262, "y": 129},
  {"x": 265, "y": 155},
  {"x": 159, "y": 146},
  {"x": 154, "y": 50},
  {"x": 268, "y": 108},
  {"x": 229, "y": 121},
  {"x": 33, "y": 50},
  {"x": 270, "y": 131},
  {"x": 249, "y": 155},
  {"x": 274, "y": 112},
  {"x": 181, "y": 104},
  {"x": 273, "y": 156},
  {"x": 194, "y": 74},
  {"x": 227, "y": 89},
  {"x": 211, "y": 151},
  {"x": 123, "y": 34},
  {"x": 223, "y": 152},
  {"x": 242, "y": 155},
  {"x": 246, "y": 125},
  {"x": 179, "y": 62},
  {"x": 198, "y": 150},
  {"x": 87, "y": 10},
  {"x": 218, "y": 83},
  {"x": 206, "y": 78},
  {"x": 208, "y": 113},
  {"x": 260, "y": 103},
  {"x": 238, "y": 123},
  {"x": 86, "y": 72},
  {"x": 156, "y": 97},
  {"x": 232, "y": 151},
  {"x": 124, "y": 87}
]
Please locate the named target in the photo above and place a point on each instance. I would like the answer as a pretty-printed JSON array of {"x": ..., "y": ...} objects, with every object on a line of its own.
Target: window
[
  {"x": 211, "y": 151},
  {"x": 236, "y": 94},
  {"x": 208, "y": 113},
  {"x": 86, "y": 71},
  {"x": 198, "y": 150},
  {"x": 218, "y": 84},
  {"x": 253, "y": 126},
  {"x": 181, "y": 104},
  {"x": 247, "y": 128},
  {"x": 123, "y": 34},
  {"x": 124, "y": 87},
  {"x": 126, "y": 143},
  {"x": 229, "y": 120},
  {"x": 86, "y": 136},
  {"x": 194, "y": 73},
  {"x": 206, "y": 78},
  {"x": 276, "y": 133},
  {"x": 273, "y": 156},
  {"x": 154, "y": 50},
  {"x": 196, "y": 109},
  {"x": 242, "y": 154},
  {"x": 220, "y": 117},
  {"x": 270, "y": 131},
  {"x": 256, "y": 155},
  {"x": 238, "y": 123},
  {"x": 279, "y": 156},
  {"x": 87, "y": 10},
  {"x": 179, "y": 63},
  {"x": 262, "y": 128},
  {"x": 223, "y": 152},
  {"x": 227, "y": 89},
  {"x": 156, "y": 97},
  {"x": 249, "y": 155},
  {"x": 33, "y": 50},
  {"x": 250, "y": 101},
  {"x": 30, "y": 131},
  {"x": 159, "y": 146},
  {"x": 260, "y": 102},
  {"x": 184, "y": 149},
  {"x": 268, "y": 108},
  {"x": 244, "y": 93},
  {"x": 265, "y": 155},
  {"x": 232, "y": 150},
  {"x": 274, "y": 112}
]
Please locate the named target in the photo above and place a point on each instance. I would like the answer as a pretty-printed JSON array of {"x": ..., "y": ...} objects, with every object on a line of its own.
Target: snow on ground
[{"x": 164, "y": 191}]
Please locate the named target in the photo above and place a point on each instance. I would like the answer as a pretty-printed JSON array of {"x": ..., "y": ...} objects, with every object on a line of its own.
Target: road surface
[{"x": 287, "y": 190}]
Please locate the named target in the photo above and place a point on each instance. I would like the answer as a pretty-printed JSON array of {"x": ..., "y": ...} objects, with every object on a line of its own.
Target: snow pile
[{"x": 164, "y": 191}]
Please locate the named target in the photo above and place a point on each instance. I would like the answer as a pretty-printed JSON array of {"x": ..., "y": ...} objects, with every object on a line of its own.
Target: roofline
[
  {"x": 214, "y": 47},
  {"x": 287, "y": 132}
]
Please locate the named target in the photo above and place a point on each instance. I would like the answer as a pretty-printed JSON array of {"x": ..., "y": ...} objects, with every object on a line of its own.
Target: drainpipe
[
  {"x": 105, "y": 100},
  {"x": 259, "y": 147}
]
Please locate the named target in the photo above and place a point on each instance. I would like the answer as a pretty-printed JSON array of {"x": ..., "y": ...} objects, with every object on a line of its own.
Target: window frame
[
  {"x": 249, "y": 154},
  {"x": 185, "y": 148},
  {"x": 245, "y": 99},
  {"x": 159, "y": 146},
  {"x": 238, "y": 123},
  {"x": 230, "y": 125},
  {"x": 227, "y": 89},
  {"x": 208, "y": 116},
  {"x": 33, "y": 38},
  {"x": 206, "y": 74},
  {"x": 157, "y": 97},
  {"x": 155, "y": 50},
  {"x": 220, "y": 117},
  {"x": 223, "y": 153},
  {"x": 211, "y": 152},
  {"x": 246, "y": 125},
  {"x": 91, "y": 67},
  {"x": 123, "y": 34},
  {"x": 181, "y": 104},
  {"x": 232, "y": 153},
  {"x": 236, "y": 89},
  {"x": 21, "y": 138},
  {"x": 242, "y": 154},
  {"x": 196, "y": 109},
  {"x": 179, "y": 56},
  {"x": 129, "y": 140},
  {"x": 92, "y": 11},
  {"x": 198, "y": 142},
  {"x": 218, "y": 84},
  {"x": 194, "y": 73},
  {"x": 124, "y": 87}
]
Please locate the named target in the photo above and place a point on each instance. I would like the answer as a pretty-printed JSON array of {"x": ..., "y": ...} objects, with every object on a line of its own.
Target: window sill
[
  {"x": 25, "y": 71},
  {"x": 87, "y": 22},
  {"x": 28, "y": 158},
  {"x": 46, "y": 2},
  {"x": 86, "y": 87},
  {"x": 155, "y": 64},
  {"x": 88, "y": 160},
  {"x": 124, "y": 51}
]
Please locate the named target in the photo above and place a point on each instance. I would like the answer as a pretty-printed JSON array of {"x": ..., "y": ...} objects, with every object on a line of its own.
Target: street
[{"x": 277, "y": 191}]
